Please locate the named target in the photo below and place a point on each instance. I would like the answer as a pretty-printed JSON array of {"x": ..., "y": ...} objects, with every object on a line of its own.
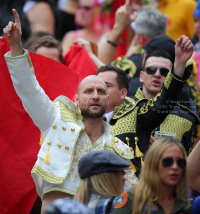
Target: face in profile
[
  {"x": 171, "y": 165},
  {"x": 152, "y": 77},
  {"x": 92, "y": 98}
]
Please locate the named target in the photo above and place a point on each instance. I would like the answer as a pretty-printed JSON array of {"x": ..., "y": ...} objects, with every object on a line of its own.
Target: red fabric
[
  {"x": 19, "y": 138},
  {"x": 77, "y": 59}
]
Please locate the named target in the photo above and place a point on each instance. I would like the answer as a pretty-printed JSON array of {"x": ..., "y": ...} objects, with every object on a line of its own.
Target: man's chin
[{"x": 93, "y": 114}]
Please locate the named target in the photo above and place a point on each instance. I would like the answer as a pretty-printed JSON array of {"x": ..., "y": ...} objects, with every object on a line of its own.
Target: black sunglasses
[
  {"x": 168, "y": 161},
  {"x": 153, "y": 69}
]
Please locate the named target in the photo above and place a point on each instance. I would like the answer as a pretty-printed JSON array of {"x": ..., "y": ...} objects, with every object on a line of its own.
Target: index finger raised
[
  {"x": 16, "y": 16},
  {"x": 127, "y": 3}
]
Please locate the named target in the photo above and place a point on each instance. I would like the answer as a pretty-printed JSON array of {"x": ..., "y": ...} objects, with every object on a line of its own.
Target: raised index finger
[
  {"x": 17, "y": 19},
  {"x": 127, "y": 3}
]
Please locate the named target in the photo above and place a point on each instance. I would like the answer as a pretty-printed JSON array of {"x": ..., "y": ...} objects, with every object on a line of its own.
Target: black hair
[
  {"x": 158, "y": 53},
  {"x": 122, "y": 78}
]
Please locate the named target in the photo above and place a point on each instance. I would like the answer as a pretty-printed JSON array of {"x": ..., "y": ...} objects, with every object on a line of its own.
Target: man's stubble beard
[{"x": 87, "y": 113}]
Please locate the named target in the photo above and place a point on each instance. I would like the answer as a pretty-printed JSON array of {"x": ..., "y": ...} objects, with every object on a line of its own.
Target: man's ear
[
  {"x": 76, "y": 99},
  {"x": 123, "y": 93},
  {"x": 142, "y": 76}
]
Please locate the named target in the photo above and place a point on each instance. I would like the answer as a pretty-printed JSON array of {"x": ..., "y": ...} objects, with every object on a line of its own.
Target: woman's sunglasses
[
  {"x": 153, "y": 69},
  {"x": 168, "y": 161}
]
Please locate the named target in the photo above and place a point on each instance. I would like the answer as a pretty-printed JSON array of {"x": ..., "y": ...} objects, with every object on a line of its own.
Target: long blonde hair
[
  {"x": 147, "y": 189},
  {"x": 105, "y": 184}
]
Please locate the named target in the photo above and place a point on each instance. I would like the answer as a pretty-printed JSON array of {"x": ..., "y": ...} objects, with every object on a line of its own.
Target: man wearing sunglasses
[
  {"x": 134, "y": 120},
  {"x": 180, "y": 120}
]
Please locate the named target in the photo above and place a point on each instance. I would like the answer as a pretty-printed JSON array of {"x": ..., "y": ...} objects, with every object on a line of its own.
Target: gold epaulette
[{"x": 126, "y": 65}]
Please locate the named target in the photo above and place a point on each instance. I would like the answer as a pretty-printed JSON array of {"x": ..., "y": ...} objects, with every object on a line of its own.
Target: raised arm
[
  {"x": 13, "y": 34},
  {"x": 81, "y": 42},
  {"x": 183, "y": 52},
  {"x": 194, "y": 169},
  {"x": 122, "y": 21},
  {"x": 35, "y": 101},
  {"x": 157, "y": 108}
]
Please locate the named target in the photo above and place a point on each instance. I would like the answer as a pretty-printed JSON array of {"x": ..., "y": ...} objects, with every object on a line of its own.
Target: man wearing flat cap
[
  {"x": 68, "y": 132},
  {"x": 98, "y": 162}
]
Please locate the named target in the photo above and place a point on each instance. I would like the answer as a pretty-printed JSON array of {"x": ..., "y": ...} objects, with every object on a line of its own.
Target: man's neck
[
  {"x": 93, "y": 128},
  {"x": 147, "y": 94}
]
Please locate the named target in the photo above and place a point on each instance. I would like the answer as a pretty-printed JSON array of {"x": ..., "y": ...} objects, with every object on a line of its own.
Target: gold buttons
[
  {"x": 131, "y": 149},
  {"x": 54, "y": 127},
  {"x": 49, "y": 142},
  {"x": 64, "y": 128},
  {"x": 116, "y": 140},
  {"x": 122, "y": 153},
  {"x": 136, "y": 138},
  {"x": 58, "y": 145},
  {"x": 72, "y": 129},
  {"x": 66, "y": 148}
]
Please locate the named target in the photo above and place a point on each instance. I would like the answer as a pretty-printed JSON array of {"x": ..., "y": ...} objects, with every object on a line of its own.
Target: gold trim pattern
[
  {"x": 126, "y": 65},
  {"x": 122, "y": 149},
  {"x": 126, "y": 124},
  {"x": 66, "y": 114},
  {"x": 168, "y": 80},
  {"x": 144, "y": 109},
  {"x": 46, "y": 175},
  {"x": 29, "y": 60},
  {"x": 176, "y": 124},
  {"x": 60, "y": 189},
  {"x": 109, "y": 148}
]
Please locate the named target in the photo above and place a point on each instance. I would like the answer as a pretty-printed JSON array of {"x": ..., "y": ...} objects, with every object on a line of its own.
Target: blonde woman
[
  {"x": 162, "y": 187},
  {"x": 102, "y": 179}
]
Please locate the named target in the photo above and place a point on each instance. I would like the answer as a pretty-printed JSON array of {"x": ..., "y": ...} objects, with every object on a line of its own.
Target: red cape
[{"x": 19, "y": 138}]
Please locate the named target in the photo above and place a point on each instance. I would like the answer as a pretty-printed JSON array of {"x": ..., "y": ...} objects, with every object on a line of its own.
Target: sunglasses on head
[
  {"x": 153, "y": 69},
  {"x": 168, "y": 161}
]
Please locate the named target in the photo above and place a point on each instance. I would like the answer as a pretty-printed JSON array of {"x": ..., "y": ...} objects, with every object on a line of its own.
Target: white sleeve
[{"x": 36, "y": 103}]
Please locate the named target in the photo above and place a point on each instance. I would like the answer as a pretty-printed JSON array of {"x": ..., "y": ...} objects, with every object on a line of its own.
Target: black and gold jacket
[
  {"x": 134, "y": 120},
  {"x": 180, "y": 120}
]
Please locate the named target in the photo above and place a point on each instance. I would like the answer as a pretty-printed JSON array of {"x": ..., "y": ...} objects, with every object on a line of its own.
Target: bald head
[{"x": 91, "y": 79}]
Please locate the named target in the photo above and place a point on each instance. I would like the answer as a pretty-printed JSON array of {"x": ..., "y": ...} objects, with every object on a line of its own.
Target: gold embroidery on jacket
[
  {"x": 144, "y": 109},
  {"x": 168, "y": 80},
  {"x": 46, "y": 175},
  {"x": 125, "y": 124},
  {"x": 67, "y": 115},
  {"x": 176, "y": 124}
]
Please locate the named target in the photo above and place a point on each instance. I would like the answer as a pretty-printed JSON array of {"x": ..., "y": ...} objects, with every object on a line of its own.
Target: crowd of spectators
[{"x": 146, "y": 56}]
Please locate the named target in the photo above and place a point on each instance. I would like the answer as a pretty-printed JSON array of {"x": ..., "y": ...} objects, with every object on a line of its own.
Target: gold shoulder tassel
[
  {"x": 133, "y": 167},
  {"x": 138, "y": 153},
  {"x": 128, "y": 141},
  {"x": 47, "y": 157}
]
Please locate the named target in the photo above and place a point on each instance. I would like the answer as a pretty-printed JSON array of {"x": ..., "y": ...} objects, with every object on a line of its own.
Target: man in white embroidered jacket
[{"x": 68, "y": 132}]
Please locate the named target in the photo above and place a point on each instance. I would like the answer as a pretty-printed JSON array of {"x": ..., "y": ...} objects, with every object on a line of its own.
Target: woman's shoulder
[
  {"x": 123, "y": 203},
  {"x": 182, "y": 206}
]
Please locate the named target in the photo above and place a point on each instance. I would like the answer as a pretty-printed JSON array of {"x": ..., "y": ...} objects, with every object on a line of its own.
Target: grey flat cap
[{"x": 97, "y": 162}]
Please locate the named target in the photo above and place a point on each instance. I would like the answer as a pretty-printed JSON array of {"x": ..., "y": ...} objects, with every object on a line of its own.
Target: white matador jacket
[{"x": 60, "y": 123}]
